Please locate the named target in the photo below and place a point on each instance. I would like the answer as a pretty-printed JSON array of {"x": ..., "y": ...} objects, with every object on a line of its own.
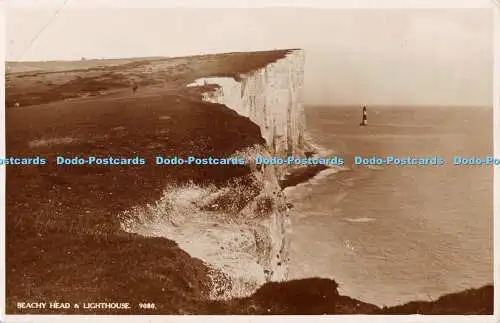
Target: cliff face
[{"x": 270, "y": 97}]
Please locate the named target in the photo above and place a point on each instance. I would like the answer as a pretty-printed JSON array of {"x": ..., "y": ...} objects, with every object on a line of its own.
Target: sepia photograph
[{"x": 249, "y": 161}]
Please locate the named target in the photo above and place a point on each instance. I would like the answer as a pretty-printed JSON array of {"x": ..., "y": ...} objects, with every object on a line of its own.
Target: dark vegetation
[
  {"x": 63, "y": 238},
  {"x": 317, "y": 296},
  {"x": 64, "y": 241}
]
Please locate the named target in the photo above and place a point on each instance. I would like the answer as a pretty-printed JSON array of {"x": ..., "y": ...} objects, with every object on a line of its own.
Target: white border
[
  {"x": 2, "y": 169},
  {"x": 251, "y": 319},
  {"x": 407, "y": 4},
  {"x": 496, "y": 149},
  {"x": 258, "y": 3}
]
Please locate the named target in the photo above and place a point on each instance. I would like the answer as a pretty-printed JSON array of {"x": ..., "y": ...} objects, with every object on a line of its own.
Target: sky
[{"x": 353, "y": 56}]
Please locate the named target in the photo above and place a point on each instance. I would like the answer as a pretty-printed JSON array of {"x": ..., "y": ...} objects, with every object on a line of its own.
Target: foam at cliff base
[
  {"x": 315, "y": 180},
  {"x": 318, "y": 152}
]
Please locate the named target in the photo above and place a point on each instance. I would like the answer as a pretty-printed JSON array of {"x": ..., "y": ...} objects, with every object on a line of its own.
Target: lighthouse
[{"x": 364, "y": 121}]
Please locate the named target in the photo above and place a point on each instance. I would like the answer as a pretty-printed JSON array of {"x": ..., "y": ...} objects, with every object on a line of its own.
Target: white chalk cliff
[{"x": 270, "y": 97}]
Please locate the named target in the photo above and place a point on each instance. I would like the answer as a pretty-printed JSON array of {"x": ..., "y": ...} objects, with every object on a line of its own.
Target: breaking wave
[{"x": 359, "y": 220}]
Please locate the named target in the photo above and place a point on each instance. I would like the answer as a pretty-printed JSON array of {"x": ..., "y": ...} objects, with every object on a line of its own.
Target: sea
[{"x": 393, "y": 234}]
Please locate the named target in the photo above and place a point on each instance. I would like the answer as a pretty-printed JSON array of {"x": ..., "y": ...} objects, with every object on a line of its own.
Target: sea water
[{"x": 393, "y": 234}]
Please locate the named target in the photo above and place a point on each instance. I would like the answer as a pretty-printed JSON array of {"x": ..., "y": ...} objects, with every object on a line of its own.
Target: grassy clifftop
[
  {"x": 64, "y": 241},
  {"x": 63, "y": 233},
  {"x": 32, "y": 83}
]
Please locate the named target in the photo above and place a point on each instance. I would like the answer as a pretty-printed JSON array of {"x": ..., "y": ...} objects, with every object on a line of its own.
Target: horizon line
[
  {"x": 430, "y": 105},
  {"x": 83, "y": 58}
]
